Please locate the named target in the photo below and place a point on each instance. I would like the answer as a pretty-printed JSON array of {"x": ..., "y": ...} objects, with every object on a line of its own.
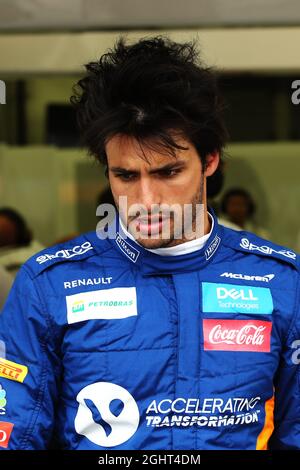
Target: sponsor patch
[
  {"x": 2, "y": 400},
  {"x": 246, "y": 277},
  {"x": 87, "y": 282},
  {"x": 210, "y": 251},
  {"x": 12, "y": 371},
  {"x": 267, "y": 250},
  {"x": 118, "y": 411},
  {"x": 66, "y": 253},
  {"x": 205, "y": 412},
  {"x": 128, "y": 250},
  {"x": 106, "y": 304},
  {"x": 237, "y": 335},
  {"x": 231, "y": 298},
  {"x": 5, "y": 432}
]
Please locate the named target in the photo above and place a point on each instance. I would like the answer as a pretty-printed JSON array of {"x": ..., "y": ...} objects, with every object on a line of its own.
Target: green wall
[{"x": 40, "y": 93}]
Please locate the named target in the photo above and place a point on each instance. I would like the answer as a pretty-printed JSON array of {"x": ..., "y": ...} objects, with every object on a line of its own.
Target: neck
[
  {"x": 205, "y": 228},
  {"x": 184, "y": 246}
]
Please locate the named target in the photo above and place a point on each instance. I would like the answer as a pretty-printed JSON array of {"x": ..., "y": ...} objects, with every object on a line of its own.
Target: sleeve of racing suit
[
  {"x": 29, "y": 370},
  {"x": 286, "y": 433}
]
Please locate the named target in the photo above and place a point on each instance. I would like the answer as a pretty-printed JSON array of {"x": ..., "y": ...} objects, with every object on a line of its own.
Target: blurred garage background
[{"x": 255, "y": 44}]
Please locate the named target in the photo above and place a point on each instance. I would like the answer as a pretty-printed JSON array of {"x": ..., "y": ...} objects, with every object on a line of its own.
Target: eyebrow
[{"x": 169, "y": 166}]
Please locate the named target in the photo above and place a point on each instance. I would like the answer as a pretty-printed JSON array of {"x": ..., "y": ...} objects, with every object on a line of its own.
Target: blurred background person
[
  {"x": 16, "y": 240},
  {"x": 215, "y": 185},
  {"x": 238, "y": 207}
]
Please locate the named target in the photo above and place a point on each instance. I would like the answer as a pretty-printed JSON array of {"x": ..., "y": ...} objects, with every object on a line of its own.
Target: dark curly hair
[{"x": 151, "y": 90}]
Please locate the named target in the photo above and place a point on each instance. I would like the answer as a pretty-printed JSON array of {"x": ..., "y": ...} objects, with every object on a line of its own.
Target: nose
[{"x": 148, "y": 193}]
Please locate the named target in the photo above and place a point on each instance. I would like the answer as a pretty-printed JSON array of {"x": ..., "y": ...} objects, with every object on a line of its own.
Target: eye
[
  {"x": 125, "y": 176},
  {"x": 169, "y": 173}
]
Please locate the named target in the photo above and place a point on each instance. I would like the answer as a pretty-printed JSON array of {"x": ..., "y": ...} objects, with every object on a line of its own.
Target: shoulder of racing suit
[
  {"x": 77, "y": 249},
  {"x": 251, "y": 244},
  {"x": 88, "y": 245}
]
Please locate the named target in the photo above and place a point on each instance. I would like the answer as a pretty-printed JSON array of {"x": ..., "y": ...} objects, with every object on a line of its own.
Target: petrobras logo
[
  {"x": 267, "y": 250},
  {"x": 245, "y": 277},
  {"x": 67, "y": 254},
  {"x": 2, "y": 400},
  {"x": 128, "y": 250},
  {"x": 107, "y": 414},
  {"x": 12, "y": 371},
  {"x": 212, "y": 247},
  {"x": 5, "y": 432},
  {"x": 78, "y": 306},
  {"x": 231, "y": 298},
  {"x": 237, "y": 335},
  {"x": 105, "y": 304},
  {"x": 206, "y": 412}
]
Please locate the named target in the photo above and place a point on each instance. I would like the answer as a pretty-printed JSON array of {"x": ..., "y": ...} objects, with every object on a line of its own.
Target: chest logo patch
[
  {"x": 237, "y": 335},
  {"x": 107, "y": 414},
  {"x": 5, "y": 432},
  {"x": 232, "y": 298},
  {"x": 105, "y": 304},
  {"x": 12, "y": 371}
]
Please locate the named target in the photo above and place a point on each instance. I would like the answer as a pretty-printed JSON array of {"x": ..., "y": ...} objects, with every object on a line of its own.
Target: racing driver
[{"x": 151, "y": 333}]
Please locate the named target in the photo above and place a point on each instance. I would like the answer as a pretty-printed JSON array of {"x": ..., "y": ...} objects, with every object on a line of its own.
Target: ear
[{"x": 212, "y": 163}]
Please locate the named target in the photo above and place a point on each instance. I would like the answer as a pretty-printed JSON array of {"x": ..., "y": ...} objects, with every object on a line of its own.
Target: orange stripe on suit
[{"x": 266, "y": 432}]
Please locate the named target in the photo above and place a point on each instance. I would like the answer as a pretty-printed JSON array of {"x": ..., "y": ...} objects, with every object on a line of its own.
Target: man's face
[{"x": 156, "y": 183}]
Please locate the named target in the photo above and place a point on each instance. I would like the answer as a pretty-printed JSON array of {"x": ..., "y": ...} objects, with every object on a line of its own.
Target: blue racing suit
[{"x": 106, "y": 345}]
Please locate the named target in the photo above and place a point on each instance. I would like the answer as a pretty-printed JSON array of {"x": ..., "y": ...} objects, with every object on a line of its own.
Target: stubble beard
[{"x": 182, "y": 233}]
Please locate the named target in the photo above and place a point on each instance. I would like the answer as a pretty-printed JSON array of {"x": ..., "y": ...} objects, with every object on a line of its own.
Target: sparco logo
[
  {"x": 265, "y": 278},
  {"x": 267, "y": 250},
  {"x": 107, "y": 414},
  {"x": 75, "y": 251},
  {"x": 237, "y": 335}
]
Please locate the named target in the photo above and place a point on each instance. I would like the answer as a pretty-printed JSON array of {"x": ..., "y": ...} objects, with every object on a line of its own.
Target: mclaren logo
[{"x": 245, "y": 277}]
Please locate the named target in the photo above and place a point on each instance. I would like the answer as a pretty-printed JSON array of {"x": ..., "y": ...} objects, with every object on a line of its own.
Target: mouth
[{"x": 150, "y": 225}]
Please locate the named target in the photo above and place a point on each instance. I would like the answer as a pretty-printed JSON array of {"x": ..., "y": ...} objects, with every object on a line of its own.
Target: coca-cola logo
[
  {"x": 5, "y": 432},
  {"x": 248, "y": 334},
  {"x": 237, "y": 335}
]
